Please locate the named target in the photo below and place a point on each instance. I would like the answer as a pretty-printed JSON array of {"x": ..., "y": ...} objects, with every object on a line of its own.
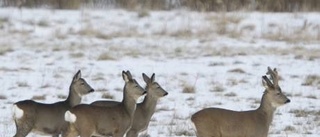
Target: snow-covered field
[{"x": 202, "y": 59}]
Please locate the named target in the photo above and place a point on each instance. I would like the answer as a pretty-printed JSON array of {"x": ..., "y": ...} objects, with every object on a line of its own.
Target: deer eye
[{"x": 278, "y": 93}]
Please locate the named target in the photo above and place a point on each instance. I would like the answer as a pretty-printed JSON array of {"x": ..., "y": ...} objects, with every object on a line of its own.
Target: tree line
[{"x": 197, "y": 5}]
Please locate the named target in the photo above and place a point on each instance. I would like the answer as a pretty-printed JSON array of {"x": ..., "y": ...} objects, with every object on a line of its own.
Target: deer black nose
[
  {"x": 288, "y": 101},
  {"x": 91, "y": 90},
  {"x": 165, "y": 94}
]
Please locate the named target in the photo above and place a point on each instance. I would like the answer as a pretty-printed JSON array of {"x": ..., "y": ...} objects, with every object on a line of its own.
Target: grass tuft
[
  {"x": 23, "y": 84},
  {"x": 60, "y": 96},
  {"x": 231, "y": 94},
  {"x": 43, "y": 23},
  {"x": 76, "y": 55},
  {"x": 5, "y": 49},
  {"x": 106, "y": 56},
  {"x": 188, "y": 89},
  {"x": 39, "y": 97},
  {"x": 237, "y": 70},
  {"x": 107, "y": 96},
  {"x": 311, "y": 80},
  {"x": 3, "y": 97}
]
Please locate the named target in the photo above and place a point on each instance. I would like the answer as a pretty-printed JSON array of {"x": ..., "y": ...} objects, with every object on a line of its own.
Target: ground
[{"x": 202, "y": 59}]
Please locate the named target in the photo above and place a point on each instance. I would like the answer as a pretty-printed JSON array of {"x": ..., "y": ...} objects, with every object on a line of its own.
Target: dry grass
[
  {"x": 5, "y": 49},
  {"x": 4, "y": 19},
  {"x": 290, "y": 128},
  {"x": 77, "y": 55},
  {"x": 43, "y": 23},
  {"x": 39, "y": 97},
  {"x": 312, "y": 80},
  {"x": 118, "y": 89},
  {"x": 143, "y": 13},
  {"x": 59, "y": 35},
  {"x": 45, "y": 85},
  {"x": 107, "y": 95},
  {"x": 293, "y": 35},
  {"x": 223, "y": 21},
  {"x": 179, "y": 127},
  {"x": 181, "y": 33},
  {"x": 57, "y": 76},
  {"x": 188, "y": 88},
  {"x": 105, "y": 56},
  {"x": 98, "y": 77},
  {"x": 216, "y": 64},
  {"x": 23, "y": 84},
  {"x": 3, "y": 97},
  {"x": 305, "y": 113},
  {"x": 231, "y": 94},
  {"x": 312, "y": 97},
  {"x": 237, "y": 70},
  {"x": 218, "y": 88},
  {"x": 60, "y": 96}
]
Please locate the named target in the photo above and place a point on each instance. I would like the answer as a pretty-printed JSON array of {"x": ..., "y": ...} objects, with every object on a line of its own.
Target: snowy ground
[{"x": 219, "y": 57}]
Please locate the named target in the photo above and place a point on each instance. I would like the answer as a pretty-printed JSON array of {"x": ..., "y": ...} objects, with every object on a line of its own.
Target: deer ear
[
  {"x": 125, "y": 76},
  {"x": 146, "y": 78},
  {"x": 153, "y": 77},
  {"x": 266, "y": 82},
  {"x": 77, "y": 76},
  {"x": 129, "y": 75}
]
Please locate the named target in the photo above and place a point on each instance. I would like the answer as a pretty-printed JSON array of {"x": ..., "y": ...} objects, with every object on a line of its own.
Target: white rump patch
[
  {"x": 17, "y": 112},
  {"x": 192, "y": 126},
  {"x": 69, "y": 117}
]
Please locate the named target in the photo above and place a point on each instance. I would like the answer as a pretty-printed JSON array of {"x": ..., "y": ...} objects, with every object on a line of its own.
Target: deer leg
[
  {"x": 132, "y": 133},
  {"x": 118, "y": 134},
  {"x": 85, "y": 134},
  {"x": 70, "y": 131},
  {"x": 55, "y": 135},
  {"x": 23, "y": 128}
]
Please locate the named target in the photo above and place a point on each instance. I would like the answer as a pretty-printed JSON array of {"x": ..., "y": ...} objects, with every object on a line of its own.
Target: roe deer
[
  {"x": 144, "y": 110},
  {"x": 216, "y": 122},
  {"x": 31, "y": 116},
  {"x": 89, "y": 120}
]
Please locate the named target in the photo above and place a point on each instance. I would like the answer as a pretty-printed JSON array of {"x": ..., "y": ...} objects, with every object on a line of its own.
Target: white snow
[{"x": 40, "y": 51}]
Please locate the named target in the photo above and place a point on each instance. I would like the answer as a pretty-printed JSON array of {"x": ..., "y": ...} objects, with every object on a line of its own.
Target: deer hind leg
[
  {"x": 88, "y": 132},
  {"x": 85, "y": 134},
  {"x": 118, "y": 134},
  {"x": 70, "y": 131},
  {"x": 23, "y": 127},
  {"x": 55, "y": 135},
  {"x": 132, "y": 133}
]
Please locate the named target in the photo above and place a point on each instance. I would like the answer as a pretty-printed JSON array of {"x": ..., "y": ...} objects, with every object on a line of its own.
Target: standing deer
[
  {"x": 31, "y": 116},
  {"x": 145, "y": 109},
  {"x": 216, "y": 122},
  {"x": 89, "y": 120}
]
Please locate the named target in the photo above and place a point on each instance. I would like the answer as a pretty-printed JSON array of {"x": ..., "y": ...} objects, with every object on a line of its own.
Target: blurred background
[{"x": 197, "y": 5}]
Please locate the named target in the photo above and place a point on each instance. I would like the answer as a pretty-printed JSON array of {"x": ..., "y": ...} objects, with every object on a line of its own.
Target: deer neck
[
  {"x": 266, "y": 109},
  {"x": 149, "y": 105},
  {"x": 129, "y": 103},
  {"x": 73, "y": 98}
]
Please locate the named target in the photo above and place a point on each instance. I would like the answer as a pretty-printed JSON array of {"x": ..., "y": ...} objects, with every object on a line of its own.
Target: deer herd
[{"x": 128, "y": 118}]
